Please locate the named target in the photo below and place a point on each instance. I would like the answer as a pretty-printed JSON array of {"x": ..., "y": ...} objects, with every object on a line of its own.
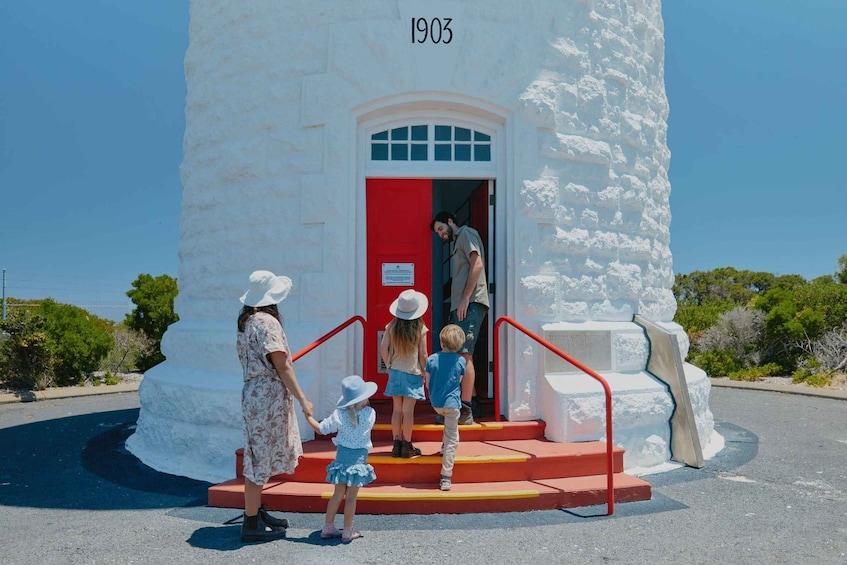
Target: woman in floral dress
[{"x": 271, "y": 434}]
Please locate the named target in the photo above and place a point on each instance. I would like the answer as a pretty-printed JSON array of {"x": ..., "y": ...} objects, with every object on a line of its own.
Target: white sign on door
[{"x": 398, "y": 274}]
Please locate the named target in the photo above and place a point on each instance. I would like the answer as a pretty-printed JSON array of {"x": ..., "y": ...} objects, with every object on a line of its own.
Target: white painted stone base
[
  {"x": 574, "y": 408},
  {"x": 190, "y": 431}
]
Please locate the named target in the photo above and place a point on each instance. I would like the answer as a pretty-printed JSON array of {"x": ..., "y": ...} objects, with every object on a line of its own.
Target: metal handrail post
[{"x": 610, "y": 469}]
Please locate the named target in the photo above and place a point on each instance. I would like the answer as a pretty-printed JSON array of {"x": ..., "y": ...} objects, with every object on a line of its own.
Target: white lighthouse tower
[{"x": 320, "y": 140}]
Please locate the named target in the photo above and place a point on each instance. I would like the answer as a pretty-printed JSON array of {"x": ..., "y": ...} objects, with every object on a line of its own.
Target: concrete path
[
  {"x": 777, "y": 493},
  {"x": 67, "y": 392}
]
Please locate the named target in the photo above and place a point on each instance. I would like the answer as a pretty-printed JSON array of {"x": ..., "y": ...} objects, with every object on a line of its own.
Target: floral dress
[{"x": 271, "y": 433}]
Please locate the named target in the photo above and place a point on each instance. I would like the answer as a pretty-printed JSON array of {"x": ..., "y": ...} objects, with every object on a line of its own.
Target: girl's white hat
[
  {"x": 354, "y": 389},
  {"x": 266, "y": 288},
  {"x": 410, "y": 305}
]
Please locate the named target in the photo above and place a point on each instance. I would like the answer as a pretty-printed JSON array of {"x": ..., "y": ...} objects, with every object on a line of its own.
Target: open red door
[{"x": 399, "y": 256}]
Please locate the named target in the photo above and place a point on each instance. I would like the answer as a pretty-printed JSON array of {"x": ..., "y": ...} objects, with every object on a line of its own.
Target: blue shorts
[
  {"x": 470, "y": 325},
  {"x": 405, "y": 384}
]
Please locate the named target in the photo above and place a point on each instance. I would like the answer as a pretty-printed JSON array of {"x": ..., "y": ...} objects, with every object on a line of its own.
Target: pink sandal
[
  {"x": 330, "y": 531},
  {"x": 350, "y": 534}
]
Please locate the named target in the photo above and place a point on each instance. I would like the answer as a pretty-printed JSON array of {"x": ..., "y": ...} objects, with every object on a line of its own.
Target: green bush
[
  {"x": 800, "y": 375},
  {"x": 26, "y": 353},
  {"x": 819, "y": 380},
  {"x": 716, "y": 363},
  {"x": 81, "y": 340},
  {"x": 756, "y": 373},
  {"x": 811, "y": 373}
]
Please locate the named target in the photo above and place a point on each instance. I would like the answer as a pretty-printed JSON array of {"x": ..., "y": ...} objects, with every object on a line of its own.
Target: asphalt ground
[{"x": 777, "y": 493}]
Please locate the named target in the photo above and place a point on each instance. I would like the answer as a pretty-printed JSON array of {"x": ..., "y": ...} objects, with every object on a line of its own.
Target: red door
[{"x": 399, "y": 256}]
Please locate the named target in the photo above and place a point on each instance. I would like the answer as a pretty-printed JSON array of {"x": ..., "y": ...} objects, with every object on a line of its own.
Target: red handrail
[
  {"x": 610, "y": 469},
  {"x": 326, "y": 337}
]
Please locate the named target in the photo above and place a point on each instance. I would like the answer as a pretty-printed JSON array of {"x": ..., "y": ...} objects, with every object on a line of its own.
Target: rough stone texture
[{"x": 574, "y": 90}]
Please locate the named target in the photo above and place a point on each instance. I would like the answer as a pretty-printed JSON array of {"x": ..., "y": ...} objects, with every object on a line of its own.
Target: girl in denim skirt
[
  {"x": 353, "y": 419},
  {"x": 403, "y": 350}
]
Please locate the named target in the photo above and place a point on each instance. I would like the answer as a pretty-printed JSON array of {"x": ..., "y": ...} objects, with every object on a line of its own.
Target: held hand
[{"x": 308, "y": 407}]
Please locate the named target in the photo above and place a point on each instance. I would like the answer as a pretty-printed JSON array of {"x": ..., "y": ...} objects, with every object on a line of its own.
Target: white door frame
[{"x": 447, "y": 109}]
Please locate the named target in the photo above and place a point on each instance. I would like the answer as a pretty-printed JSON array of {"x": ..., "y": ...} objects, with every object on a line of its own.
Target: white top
[{"x": 348, "y": 436}]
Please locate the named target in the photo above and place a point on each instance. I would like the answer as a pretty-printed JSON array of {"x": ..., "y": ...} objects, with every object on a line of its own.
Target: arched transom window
[{"x": 430, "y": 142}]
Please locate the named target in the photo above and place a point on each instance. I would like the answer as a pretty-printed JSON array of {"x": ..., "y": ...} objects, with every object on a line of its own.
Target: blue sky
[{"x": 92, "y": 98}]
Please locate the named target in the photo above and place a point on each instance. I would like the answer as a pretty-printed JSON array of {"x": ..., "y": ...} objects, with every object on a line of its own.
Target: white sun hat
[
  {"x": 266, "y": 288},
  {"x": 410, "y": 305},
  {"x": 354, "y": 389}
]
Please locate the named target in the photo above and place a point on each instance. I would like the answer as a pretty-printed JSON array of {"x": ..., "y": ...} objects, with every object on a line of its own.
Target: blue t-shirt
[{"x": 445, "y": 376}]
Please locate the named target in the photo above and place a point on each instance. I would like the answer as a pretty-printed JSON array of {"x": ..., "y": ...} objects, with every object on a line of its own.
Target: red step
[
  {"x": 511, "y": 460},
  {"x": 412, "y": 498},
  {"x": 500, "y": 466}
]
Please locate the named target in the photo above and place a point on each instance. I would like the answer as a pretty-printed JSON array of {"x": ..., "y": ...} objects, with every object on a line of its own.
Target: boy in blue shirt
[{"x": 443, "y": 378}]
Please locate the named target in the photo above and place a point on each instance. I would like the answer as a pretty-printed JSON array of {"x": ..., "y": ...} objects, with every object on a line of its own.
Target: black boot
[
  {"x": 272, "y": 521},
  {"x": 398, "y": 448},
  {"x": 254, "y": 529},
  {"x": 408, "y": 450}
]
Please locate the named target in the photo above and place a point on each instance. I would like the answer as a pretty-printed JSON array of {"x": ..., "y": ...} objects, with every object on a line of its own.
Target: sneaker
[
  {"x": 445, "y": 483},
  {"x": 254, "y": 529},
  {"x": 466, "y": 416},
  {"x": 439, "y": 419},
  {"x": 272, "y": 521}
]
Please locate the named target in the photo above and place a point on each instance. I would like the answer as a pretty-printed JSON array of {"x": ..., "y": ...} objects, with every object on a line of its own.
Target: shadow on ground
[{"x": 80, "y": 462}]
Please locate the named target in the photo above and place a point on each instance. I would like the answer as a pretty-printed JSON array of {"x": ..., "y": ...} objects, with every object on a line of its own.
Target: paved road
[{"x": 71, "y": 494}]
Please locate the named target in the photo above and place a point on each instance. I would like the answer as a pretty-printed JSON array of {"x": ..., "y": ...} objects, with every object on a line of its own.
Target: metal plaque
[{"x": 398, "y": 274}]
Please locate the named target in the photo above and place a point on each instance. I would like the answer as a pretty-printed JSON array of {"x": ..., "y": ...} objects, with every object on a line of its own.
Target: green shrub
[
  {"x": 81, "y": 340},
  {"x": 26, "y": 355},
  {"x": 811, "y": 373},
  {"x": 800, "y": 375},
  {"x": 111, "y": 379},
  {"x": 755, "y": 373},
  {"x": 819, "y": 380},
  {"x": 715, "y": 362}
]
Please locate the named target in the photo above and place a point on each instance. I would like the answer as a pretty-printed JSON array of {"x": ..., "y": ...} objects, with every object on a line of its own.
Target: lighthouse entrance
[{"x": 403, "y": 252}]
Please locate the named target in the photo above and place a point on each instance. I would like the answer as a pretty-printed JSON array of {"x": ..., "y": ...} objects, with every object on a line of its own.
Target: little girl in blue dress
[{"x": 353, "y": 419}]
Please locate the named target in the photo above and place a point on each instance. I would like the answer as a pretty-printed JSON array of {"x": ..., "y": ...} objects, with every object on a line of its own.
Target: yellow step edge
[
  {"x": 439, "y": 495},
  {"x": 485, "y": 426},
  {"x": 387, "y": 459}
]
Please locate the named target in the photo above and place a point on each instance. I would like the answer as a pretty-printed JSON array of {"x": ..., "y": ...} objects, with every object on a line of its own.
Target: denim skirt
[{"x": 405, "y": 384}]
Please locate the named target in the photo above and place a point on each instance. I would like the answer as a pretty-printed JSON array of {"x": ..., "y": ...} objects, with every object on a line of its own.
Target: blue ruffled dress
[{"x": 350, "y": 467}]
